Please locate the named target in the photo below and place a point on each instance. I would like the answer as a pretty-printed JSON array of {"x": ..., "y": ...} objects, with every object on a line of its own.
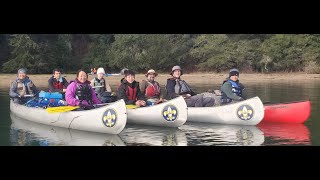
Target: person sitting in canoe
[
  {"x": 129, "y": 90},
  {"x": 177, "y": 87},
  {"x": 151, "y": 89},
  {"x": 57, "y": 83},
  {"x": 102, "y": 87},
  {"x": 22, "y": 89},
  {"x": 232, "y": 90},
  {"x": 80, "y": 93}
]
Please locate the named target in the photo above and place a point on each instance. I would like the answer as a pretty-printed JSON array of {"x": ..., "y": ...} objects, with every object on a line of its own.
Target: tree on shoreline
[{"x": 40, "y": 53}]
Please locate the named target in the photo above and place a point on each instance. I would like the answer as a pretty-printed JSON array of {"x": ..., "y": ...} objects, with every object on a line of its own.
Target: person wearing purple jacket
[{"x": 80, "y": 93}]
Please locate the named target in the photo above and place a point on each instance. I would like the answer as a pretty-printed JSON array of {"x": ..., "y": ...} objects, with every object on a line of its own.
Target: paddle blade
[
  {"x": 61, "y": 109},
  {"x": 131, "y": 106}
]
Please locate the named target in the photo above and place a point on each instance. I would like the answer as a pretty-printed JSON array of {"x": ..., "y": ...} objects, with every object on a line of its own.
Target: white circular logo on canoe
[
  {"x": 245, "y": 112},
  {"x": 109, "y": 118},
  {"x": 170, "y": 113}
]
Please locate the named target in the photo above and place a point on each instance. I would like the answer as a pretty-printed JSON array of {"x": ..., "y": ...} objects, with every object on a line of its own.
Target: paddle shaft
[{"x": 112, "y": 75}]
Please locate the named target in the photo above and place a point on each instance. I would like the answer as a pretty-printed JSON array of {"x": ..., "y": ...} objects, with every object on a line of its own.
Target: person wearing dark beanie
[
  {"x": 234, "y": 72},
  {"x": 232, "y": 90}
]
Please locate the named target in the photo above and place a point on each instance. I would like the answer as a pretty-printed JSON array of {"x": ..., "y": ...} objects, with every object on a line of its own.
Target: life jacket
[
  {"x": 152, "y": 90},
  {"x": 25, "y": 87},
  {"x": 235, "y": 89},
  {"x": 182, "y": 87},
  {"x": 57, "y": 84},
  {"x": 83, "y": 92},
  {"x": 131, "y": 93},
  {"x": 98, "y": 82}
]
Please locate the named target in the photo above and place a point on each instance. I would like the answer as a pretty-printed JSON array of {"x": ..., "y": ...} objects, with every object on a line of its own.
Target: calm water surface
[{"x": 19, "y": 132}]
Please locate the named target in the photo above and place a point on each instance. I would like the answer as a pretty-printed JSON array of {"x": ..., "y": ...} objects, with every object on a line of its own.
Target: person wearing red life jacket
[
  {"x": 57, "y": 83},
  {"x": 129, "y": 90},
  {"x": 151, "y": 89}
]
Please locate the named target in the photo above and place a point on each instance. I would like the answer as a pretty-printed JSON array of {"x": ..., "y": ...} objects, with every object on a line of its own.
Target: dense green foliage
[{"x": 40, "y": 53}]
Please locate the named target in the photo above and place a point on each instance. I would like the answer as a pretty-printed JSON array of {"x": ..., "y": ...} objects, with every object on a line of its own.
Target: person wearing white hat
[
  {"x": 22, "y": 89},
  {"x": 102, "y": 87},
  {"x": 177, "y": 87},
  {"x": 151, "y": 88},
  {"x": 232, "y": 90}
]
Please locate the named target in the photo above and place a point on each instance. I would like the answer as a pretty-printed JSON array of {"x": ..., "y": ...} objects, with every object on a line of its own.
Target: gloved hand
[{"x": 83, "y": 104}]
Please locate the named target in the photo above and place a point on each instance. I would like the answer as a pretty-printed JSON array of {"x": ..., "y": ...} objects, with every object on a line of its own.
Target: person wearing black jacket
[{"x": 129, "y": 90}]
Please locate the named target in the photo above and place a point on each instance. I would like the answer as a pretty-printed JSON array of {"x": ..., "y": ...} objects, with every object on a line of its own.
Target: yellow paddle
[
  {"x": 61, "y": 109},
  {"x": 131, "y": 106}
]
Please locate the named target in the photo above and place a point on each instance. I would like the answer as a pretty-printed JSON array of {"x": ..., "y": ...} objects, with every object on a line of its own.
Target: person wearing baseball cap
[
  {"x": 22, "y": 89},
  {"x": 232, "y": 90}
]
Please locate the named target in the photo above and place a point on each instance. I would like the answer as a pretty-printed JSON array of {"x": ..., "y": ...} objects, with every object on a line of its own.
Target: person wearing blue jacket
[{"x": 232, "y": 90}]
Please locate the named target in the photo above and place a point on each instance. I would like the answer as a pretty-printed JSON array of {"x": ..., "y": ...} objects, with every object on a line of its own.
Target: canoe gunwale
[{"x": 292, "y": 102}]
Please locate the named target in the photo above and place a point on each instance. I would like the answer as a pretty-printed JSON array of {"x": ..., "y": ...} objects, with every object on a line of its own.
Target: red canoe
[{"x": 293, "y": 112}]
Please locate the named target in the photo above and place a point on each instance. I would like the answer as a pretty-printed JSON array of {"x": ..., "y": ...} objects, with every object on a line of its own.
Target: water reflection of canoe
[
  {"x": 248, "y": 112},
  {"x": 218, "y": 134},
  {"x": 172, "y": 113},
  {"x": 25, "y": 132},
  {"x": 292, "y": 112},
  {"x": 137, "y": 135},
  {"x": 286, "y": 133},
  {"x": 108, "y": 119}
]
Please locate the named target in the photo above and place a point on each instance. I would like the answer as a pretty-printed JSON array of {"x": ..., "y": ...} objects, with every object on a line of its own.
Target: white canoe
[
  {"x": 153, "y": 136},
  {"x": 208, "y": 134},
  {"x": 172, "y": 113},
  {"x": 107, "y": 119},
  {"x": 24, "y": 131},
  {"x": 248, "y": 112}
]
